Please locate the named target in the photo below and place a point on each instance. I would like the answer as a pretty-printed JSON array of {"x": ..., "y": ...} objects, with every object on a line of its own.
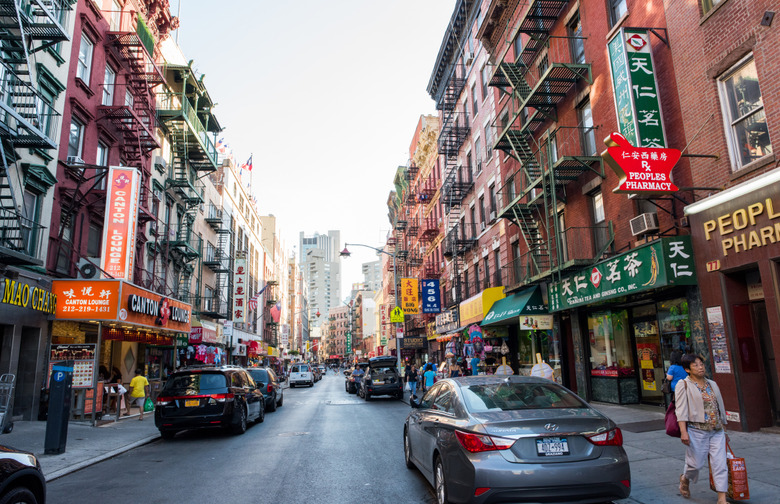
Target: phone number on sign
[{"x": 86, "y": 309}]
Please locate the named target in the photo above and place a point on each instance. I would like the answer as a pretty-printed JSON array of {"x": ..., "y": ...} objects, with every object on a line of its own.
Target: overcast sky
[{"x": 325, "y": 94}]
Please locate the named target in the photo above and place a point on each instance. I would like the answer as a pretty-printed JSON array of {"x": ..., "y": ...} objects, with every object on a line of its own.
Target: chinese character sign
[
  {"x": 637, "y": 102},
  {"x": 410, "y": 296},
  {"x": 664, "y": 262},
  {"x": 120, "y": 223},
  {"x": 641, "y": 170},
  {"x": 239, "y": 291},
  {"x": 431, "y": 296}
]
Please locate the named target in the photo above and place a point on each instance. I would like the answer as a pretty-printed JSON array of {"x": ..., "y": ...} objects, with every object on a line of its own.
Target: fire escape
[
  {"x": 184, "y": 111},
  {"x": 537, "y": 80},
  {"x": 27, "y": 120},
  {"x": 217, "y": 259},
  {"x": 271, "y": 329}
]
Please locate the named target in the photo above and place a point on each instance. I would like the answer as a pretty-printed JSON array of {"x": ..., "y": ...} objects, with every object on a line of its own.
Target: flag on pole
[
  {"x": 253, "y": 299},
  {"x": 276, "y": 311},
  {"x": 249, "y": 163},
  {"x": 221, "y": 145}
]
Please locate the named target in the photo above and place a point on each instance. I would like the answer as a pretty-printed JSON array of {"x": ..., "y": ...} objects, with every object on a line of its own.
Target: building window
[
  {"x": 93, "y": 240},
  {"x": 109, "y": 79},
  {"x": 576, "y": 41},
  {"x": 32, "y": 211},
  {"x": 497, "y": 264},
  {"x": 492, "y": 195},
  {"x": 743, "y": 113},
  {"x": 128, "y": 99},
  {"x": 588, "y": 134},
  {"x": 474, "y": 100},
  {"x": 485, "y": 81},
  {"x": 75, "y": 138},
  {"x": 116, "y": 15},
  {"x": 482, "y": 211},
  {"x": 708, "y": 5},
  {"x": 616, "y": 10},
  {"x": 85, "y": 59},
  {"x": 518, "y": 46},
  {"x": 599, "y": 216},
  {"x": 478, "y": 154},
  {"x": 486, "y": 266}
]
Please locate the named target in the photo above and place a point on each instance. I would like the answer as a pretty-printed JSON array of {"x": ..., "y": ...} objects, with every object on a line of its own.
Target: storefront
[
  {"x": 626, "y": 315},
  {"x": 447, "y": 325},
  {"x": 522, "y": 321},
  {"x": 205, "y": 345},
  {"x": 117, "y": 328},
  {"x": 27, "y": 305},
  {"x": 736, "y": 237}
]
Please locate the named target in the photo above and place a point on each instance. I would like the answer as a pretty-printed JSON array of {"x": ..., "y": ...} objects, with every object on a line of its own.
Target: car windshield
[
  {"x": 507, "y": 396},
  {"x": 300, "y": 369},
  {"x": 259, "y": 375},
  {"x": 195, "y": 383}
]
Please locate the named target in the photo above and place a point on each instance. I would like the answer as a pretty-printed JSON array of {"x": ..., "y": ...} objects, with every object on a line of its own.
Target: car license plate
[
  {"x": 377, "y": 381},
  {"x": 552, "y": 447},
  {"x": 189, "y": 403}
]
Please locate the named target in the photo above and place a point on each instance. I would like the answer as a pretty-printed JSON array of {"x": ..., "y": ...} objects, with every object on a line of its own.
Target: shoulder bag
[{"x": 670, "y": 420}]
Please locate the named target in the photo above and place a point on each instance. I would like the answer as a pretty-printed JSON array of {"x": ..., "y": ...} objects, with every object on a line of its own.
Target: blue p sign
[{"x": 59, "y": 376}]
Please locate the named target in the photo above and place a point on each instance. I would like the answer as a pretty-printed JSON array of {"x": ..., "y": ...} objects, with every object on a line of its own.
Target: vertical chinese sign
[
  {"x": 384, "y": 326},
  {"x": 410, "y": 296},
  {"x": 431, "y": 296},
  {"x": 636, "y": 90},
  {"x": 120, "y": 223},
  {"x": 239, "y": 291}
]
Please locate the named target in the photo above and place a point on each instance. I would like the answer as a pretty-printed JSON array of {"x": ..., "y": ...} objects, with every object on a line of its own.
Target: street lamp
[{"x": 347, "y": 253}]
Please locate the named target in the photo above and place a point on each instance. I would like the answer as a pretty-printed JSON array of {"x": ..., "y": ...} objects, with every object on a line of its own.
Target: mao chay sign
[
  {"x": 120, "y": 223},
  {"x": 22, "y": 295},
  {"x": 641, "y": 170}
]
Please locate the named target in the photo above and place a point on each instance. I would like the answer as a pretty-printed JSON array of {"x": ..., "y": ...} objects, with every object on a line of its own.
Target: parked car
[
  {"x": 207, "y": 396},
  {"x": 316, "y": 372},
  {"x": 21, "y": 478},
  {"x": 381, "y": 378},
  {"x": 301, "y": 372},
  {"x": 269, "y": 383},
  {"x": 514, "y": 439},
  {"x": 352, "y": 383}
]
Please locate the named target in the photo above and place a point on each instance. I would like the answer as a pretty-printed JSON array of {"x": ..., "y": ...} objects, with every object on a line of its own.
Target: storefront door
[
  {"x": 649, "y": 359},
  {"x": 761, "y": 323}
]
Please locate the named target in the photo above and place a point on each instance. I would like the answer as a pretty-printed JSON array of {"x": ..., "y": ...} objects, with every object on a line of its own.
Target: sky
[{"x": 325, "y": 95}]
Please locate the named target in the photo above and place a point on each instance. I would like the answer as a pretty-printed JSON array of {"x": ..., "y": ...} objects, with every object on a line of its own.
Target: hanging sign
[
  {"x": 635, "y": 88},
  {"x": 397, "y": 316},
  {"x": 410, "y": 296},
  {"x": 431, "y": 296},
  {"x": 120, "y": 223},
  {"x": 239, "y": 291},
  {"x": 641, "y": 170}
]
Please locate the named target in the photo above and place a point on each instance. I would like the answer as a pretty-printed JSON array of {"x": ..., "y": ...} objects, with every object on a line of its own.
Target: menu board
[{"x": 83, "y": 357}]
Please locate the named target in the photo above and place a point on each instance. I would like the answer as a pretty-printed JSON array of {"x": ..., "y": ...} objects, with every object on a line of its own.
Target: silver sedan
[{"x": 495, "y": 438}]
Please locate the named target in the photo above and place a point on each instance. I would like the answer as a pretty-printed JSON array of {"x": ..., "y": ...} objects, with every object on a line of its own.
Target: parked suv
[
  {"x": 381, "y": 378},
  {"x": 267, "y": 381},
  {"x": 208, "y": 396},
  {"x": 301, "y": 373}
]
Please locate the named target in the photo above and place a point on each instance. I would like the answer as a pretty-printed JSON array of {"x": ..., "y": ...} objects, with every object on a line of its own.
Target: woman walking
[
  {"x": 411, "y": 378},
  {"x": 702, "y": 419}
]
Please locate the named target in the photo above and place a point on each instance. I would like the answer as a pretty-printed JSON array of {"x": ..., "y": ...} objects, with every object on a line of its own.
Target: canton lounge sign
[
  {"x": 161, "y": 309},
  {"x": 664, "y": 262}
]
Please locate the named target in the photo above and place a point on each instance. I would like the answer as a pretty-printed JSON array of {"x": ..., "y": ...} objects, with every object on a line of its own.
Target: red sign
[
  {"x": 120, "y": 222},
  {"x": 641, "y": 169}
]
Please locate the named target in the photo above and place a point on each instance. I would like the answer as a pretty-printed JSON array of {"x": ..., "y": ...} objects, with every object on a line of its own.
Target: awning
[{"x": 526, "y": 302}]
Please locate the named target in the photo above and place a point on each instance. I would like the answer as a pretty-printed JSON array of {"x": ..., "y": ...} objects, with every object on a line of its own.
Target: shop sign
[
  {"x": 120, "y": 223},
  {"x": 86, "y": 299},
  {"x": 410, "y": 296},
  {"x": 34, "y": 298},
  {"x": 239, "y": 291},
  {"x": 474, "y": 309},
  {"x": 284, "y": 331},
  {"x": 635, "y": 88},
  {"x": 641, "y": 170},
  {"x": 447, "y": 321},
  {"x": 534, "y": 322},
  {"x": 664, "y": 262},
  {"x": 413, "y": 342},
  {"x": 142, "y": 307},
  {"x": 431, "y": 296}
]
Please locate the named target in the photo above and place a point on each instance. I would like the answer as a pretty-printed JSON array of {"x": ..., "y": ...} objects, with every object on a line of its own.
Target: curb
[{"x": 59, "y": 473}]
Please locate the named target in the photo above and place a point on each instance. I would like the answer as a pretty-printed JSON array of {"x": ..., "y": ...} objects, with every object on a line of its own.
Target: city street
[{"x": 311, "y": 450}]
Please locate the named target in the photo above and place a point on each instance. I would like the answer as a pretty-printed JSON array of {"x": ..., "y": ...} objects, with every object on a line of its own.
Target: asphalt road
[{"x": 322, "y": 446}]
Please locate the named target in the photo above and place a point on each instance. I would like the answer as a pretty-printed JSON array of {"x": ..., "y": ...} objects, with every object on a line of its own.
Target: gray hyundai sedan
[{"x": 496, "y": 438}]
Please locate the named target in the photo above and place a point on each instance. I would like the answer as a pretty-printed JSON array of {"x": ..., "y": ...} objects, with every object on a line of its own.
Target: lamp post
[{"x": 347, "y": 253}]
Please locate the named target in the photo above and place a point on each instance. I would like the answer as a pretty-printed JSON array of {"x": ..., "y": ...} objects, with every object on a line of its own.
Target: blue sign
[{"x": 431, "y": 296}]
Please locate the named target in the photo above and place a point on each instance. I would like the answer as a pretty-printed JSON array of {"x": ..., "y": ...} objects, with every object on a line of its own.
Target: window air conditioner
[
  {"x": 468, "y": 57},
  {"x": 644, "y": 223},
  {"x": 74, "y": 160},
  {"x": 160, "y": 163},
  {"x": 87, "y": 269},
  {"x": 492, "y": 216},
  {"x": 481, "y": 226}
]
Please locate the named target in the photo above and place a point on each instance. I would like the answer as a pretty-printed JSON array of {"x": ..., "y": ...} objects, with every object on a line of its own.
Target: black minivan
[
  {"x": 266, "y": 380},
  {"x": 194, "y": 398}
]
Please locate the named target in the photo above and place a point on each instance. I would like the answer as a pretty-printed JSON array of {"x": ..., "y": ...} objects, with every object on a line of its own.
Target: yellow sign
[
  {"x": 397, "y": 315},
  {"x": 474, "y": 309},
  {"x": 410, "y": 296}
]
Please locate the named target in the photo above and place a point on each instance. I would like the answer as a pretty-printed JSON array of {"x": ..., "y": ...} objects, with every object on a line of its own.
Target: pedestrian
[
  {"x": 411, "y": 379},
  {"x": 139, "y": 389},
  {"x": 675, "y": 372},
  {"x": 702, "y": 419},
  {"x": 430, "y": 377},
  {"x": 453, "y": 369}
]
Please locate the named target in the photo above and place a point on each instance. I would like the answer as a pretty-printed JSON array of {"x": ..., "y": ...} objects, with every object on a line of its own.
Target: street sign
[{"x": 397, "y": 315}]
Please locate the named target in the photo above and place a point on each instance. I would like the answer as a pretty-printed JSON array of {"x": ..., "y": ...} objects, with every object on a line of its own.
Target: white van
[{"x": 301, "y": 373}]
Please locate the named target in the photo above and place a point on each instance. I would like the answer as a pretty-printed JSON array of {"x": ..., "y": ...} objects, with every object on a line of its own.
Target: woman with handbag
[{"x": 701, "y": 416}]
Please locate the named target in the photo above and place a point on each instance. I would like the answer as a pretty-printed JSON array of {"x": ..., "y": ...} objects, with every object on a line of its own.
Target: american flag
[{"x": 253, "y": 299}]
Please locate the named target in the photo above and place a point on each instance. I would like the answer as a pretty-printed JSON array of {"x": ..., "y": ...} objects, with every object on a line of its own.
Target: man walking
[{"x": 139, "y": 389}]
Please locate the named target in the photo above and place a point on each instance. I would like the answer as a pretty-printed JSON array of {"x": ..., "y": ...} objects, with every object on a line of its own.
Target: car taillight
[
  {"x": 164, "y": 401},
  {"x": 270, "y": 388},
  {"x": 476, "y": 443},
  {"x": 612, "y": 437},
  {"x": 222, "y": 397}
]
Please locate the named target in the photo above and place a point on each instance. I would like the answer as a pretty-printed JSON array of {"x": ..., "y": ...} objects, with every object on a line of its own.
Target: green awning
[{"x": 505, "y": 311}]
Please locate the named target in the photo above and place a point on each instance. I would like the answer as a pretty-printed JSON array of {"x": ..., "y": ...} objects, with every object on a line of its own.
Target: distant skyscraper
[
  {"x": 372, "y": 275},
  {"x": 321, "y": 266}
]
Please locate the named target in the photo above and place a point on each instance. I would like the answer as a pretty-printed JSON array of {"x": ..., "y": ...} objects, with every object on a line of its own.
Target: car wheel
[
  {"x": 439, "y": 482},
  {"x": 261, "y": 416},
  {"x": 240, "y": 426},
  {"x": 292, "y": 385},
  {"x": 408, "y": 451},
  {"x": 19, "y": 495},
  {"x": 167, "y": 434},
  {"x": 272, "y": 406},
  {"x": 281, "y": 400},
  {"x": 311, "y": 384}
]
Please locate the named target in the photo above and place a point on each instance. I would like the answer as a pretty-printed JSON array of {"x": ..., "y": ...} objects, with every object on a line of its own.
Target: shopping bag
[
  {"x": 148, "y": 405},
  {"x": 672, "y": 427},
  {"x": 406, "y": 387},
  {"x": 738, "y": 479}
]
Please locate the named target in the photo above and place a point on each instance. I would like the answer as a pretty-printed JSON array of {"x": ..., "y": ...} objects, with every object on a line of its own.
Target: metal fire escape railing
[
  {"x": 27, "y": 119},
  {"x": 216, "y": 257},
  {"x": 537, "y": 80}
]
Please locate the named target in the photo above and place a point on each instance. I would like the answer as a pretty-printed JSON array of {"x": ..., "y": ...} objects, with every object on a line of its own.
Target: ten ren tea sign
[{"x": 641, "y": 169}]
